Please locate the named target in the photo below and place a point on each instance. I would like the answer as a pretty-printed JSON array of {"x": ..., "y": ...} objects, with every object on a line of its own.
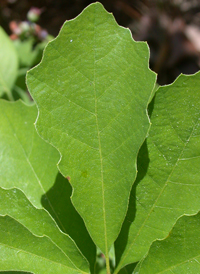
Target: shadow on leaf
[
  {"x": 58, "y": 203},
  {"x": 142, "y": 164}
]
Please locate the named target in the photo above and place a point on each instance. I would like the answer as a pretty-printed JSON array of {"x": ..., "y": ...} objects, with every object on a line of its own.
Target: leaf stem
[
  {"x": 10, "y": 96},
  {"x": 107, "y": 265}
]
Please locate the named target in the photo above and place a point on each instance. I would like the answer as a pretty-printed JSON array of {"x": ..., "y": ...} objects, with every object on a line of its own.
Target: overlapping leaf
[
  {"x": 20, "y": 242},
  {"x": 168, "y": 183},
  {"x": 179, "y": 253},
  {"x": 8, "y": 64},
  {"x": 23, "y": 251},
  {"x": 29, "y": 163},
  {"x": 92, "y": 99}
]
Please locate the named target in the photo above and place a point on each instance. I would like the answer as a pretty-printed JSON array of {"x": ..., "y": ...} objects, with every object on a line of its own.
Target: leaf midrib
[{"x": 100, "y": 150}]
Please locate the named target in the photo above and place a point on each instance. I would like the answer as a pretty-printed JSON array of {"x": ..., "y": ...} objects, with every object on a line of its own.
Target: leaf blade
[
  {"x": 15, "y": 204},
  {"x": 22, "y": 148},
  {"x": 179, "y": 252},
  {"x": 31, "y": 251},
  {"x": 95, "y": 114},
  {"x": 163, "y": 170},
  {"x": 29, "y": 164}
]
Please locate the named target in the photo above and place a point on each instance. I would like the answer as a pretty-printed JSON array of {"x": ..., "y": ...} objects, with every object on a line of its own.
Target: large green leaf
[
  {"x": 14, "y": 203},
  {"x": 179, "y": 253},
  {"x": 92, "y": 100},
  {"x": 22, "y": 251},
  {"x": 168, "y": 182},
  {"x": 8, "y": 64},
  {"x": 29, "y": 163}
]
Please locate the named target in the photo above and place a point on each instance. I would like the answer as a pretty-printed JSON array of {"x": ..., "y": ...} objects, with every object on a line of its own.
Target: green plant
[
  {"x": 92, "y": 90},
  {"x": 18, "y": 53}
]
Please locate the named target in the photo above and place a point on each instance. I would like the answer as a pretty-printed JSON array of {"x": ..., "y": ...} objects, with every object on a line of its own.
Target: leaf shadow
[
  {"x": 142, "y": 163},
  {"x": 15, "y": 272},
  {"x": 58, "y": 203},
  {"x": 128, "y": 269}
]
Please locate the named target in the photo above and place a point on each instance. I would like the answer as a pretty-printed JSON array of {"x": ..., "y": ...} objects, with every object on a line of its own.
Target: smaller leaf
[
  {"x": 22, "y": 251},
  {"x": 14, "y": 203},
  {"x": 8, "y": 64},
  {"x": 33, "y": 161},
  {"x": 178, "y": 253},
  {"x": 25, "y": 52}
]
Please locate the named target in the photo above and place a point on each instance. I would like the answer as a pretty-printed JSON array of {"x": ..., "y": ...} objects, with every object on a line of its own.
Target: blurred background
[{"x": 171, "y": 27}]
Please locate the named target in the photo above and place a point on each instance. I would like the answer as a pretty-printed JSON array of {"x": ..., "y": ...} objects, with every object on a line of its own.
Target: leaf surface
[
  {"x": 14, "y": 203},
  {"x": 178, "y": 253},
  {"x": 92, "y": 101},
  {"x": 167, "y": 185},
  {"x": 23, "y": 251},
  {"x": 8, "y": 64},
  {"x": 27, "y": 159},
  {"x": 29, "y": 163}
]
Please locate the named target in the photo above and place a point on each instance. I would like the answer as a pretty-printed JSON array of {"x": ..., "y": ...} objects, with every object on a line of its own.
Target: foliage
[
  {"x": 20, "y": 52},
  {"x": 94, "y": 182},
  {"x": 8, "y": 65}
]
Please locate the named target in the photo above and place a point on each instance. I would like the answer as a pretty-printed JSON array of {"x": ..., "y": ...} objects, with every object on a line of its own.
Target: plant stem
[
  {"x": 10, "y": 96},
  {"x": 107, "y": 265}
]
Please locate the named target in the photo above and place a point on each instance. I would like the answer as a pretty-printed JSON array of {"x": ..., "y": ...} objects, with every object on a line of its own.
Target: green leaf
[
  {"x": 27, "y": 160},
  {"x": 167, "y": 185},
  {"x": 8, "y": 64},
  {"x": 14, "y": 203},
  {"x": 23, "y": 251},
  {"x": 92, "y": 100},
  {"x": 25, "y": 51},
  {"x": 178, "y": 253},
  {"x": 30, "y": 51},
  {"x": 29, "y": 163}
]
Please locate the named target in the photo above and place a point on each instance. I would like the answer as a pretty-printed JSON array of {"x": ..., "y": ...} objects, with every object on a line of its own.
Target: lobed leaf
[
  {"x": 92, "y": 99},
  {"x": 167, "y": 185},
  {"x": 178, "y": 253}
]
